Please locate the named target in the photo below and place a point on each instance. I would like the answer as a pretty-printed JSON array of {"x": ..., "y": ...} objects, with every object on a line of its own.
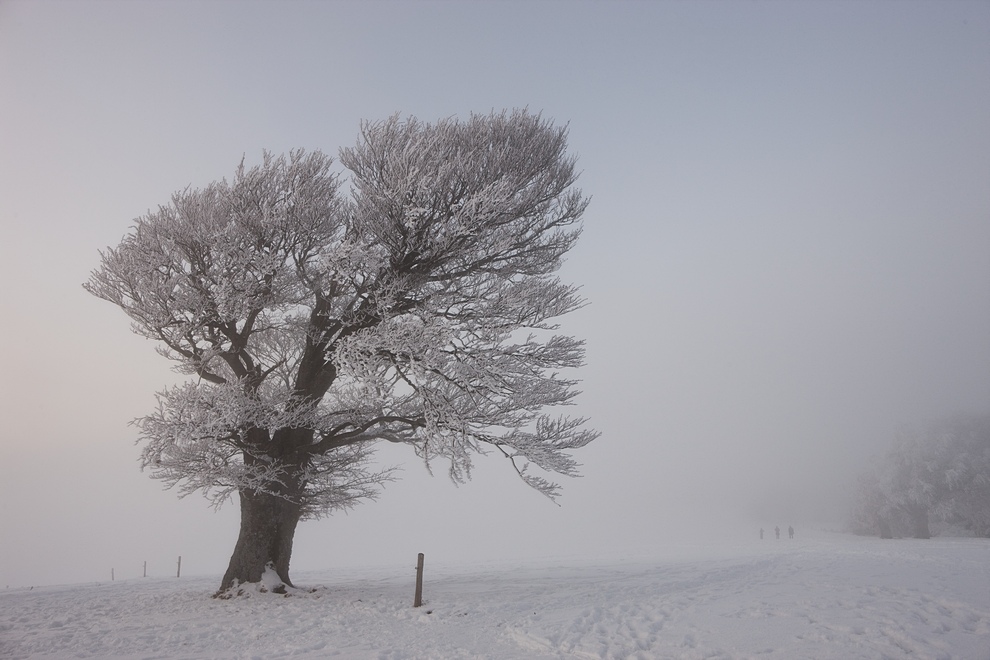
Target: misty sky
[{"x": 787, "y": 253}]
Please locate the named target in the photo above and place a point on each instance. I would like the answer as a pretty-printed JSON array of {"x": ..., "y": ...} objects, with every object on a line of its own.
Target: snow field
[{"x": 832, "y": 597}]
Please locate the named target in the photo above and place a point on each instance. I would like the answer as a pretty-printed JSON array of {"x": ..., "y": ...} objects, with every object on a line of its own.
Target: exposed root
[
  {"x": 249, "y": 589},
  {"x": 270, "y": 583}
]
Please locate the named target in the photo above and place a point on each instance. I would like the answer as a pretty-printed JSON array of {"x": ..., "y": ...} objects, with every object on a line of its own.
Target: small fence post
[
  {"x": 418, "y": 600},
  {"x": 145, "y": 570},
  {"x": 111, "y": 575},
  {"x": 178, "y": 569}
]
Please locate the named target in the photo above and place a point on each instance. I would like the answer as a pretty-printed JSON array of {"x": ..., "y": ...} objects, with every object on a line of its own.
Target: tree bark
[{"x": 268, "y": 525}]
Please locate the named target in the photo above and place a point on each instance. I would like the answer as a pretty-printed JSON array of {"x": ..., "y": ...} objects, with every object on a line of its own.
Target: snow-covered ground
[{"x": 823, "y": 596}]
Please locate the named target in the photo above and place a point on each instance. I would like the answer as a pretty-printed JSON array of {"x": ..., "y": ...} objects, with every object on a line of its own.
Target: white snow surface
[{"x": 822, "y": 595}]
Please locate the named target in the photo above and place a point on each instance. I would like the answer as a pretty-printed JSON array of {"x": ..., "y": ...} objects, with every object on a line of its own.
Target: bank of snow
[{"x": 833, "y": 596}]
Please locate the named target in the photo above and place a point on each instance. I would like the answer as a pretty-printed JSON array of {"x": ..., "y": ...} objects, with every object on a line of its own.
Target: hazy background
[{"x": 787, "y": 254}]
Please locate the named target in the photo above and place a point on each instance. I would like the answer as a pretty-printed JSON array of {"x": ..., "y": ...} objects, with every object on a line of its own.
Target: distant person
[
  {"x": 777, "y": 530},
  {"x": 761, "y": 533},
  {"x": 790, "y": 531}
]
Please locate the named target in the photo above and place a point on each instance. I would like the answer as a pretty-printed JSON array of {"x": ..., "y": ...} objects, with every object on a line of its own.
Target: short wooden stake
[
  {"x": 111, "y": 575},
  {"x": 145, "y": 570},
  {"x": 178, "y": 569},
  {"x": 418, "y": 600}
]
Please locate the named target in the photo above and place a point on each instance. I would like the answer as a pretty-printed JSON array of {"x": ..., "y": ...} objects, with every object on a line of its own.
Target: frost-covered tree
[
  {"x": 961, "y": 463},
  {"x": 914, "y": 482},
  {"x": 873, "y": 512},
  {"x": 418, "y": 308},
  {"x": 940, "y": 471}
]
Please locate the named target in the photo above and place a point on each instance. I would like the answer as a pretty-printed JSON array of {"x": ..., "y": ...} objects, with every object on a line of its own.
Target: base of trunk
[{"x": 264, "y": 544}]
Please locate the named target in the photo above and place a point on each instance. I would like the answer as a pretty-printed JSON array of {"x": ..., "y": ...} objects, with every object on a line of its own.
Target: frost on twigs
[{"x": 417, "y": 304}]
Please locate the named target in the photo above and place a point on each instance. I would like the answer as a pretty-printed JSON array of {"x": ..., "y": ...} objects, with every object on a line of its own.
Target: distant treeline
[{"x": 940, "y": 472}]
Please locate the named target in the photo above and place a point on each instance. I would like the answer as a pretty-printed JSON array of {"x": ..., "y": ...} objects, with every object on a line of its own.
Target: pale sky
[{"x": 787, "y": 254}]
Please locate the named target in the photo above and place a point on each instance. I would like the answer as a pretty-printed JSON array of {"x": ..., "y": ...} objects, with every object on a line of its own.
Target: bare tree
[{"x": 417, "y": 309}]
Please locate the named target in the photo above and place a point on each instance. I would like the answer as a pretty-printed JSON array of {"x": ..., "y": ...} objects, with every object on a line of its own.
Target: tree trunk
[
  {"x": 919, "y": 521},
  {"x": 268, "y": 524}
]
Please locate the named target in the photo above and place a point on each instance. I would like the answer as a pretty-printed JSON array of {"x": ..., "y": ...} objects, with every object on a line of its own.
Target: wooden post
[
  {"x": 178, "y": 569},
  {"x": 418, "y": 600},
  {"x": 111, "y": 575},
  {"x": 145, "y": 570}
]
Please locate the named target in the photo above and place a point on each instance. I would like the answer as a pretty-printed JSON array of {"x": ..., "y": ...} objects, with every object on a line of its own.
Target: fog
[{"x": 786, "y": 257}]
